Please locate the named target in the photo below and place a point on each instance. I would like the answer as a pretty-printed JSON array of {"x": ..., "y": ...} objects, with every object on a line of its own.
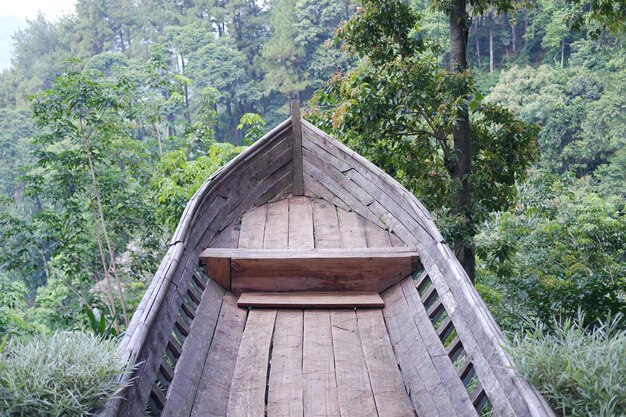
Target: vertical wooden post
[{"x": 296, "y": 132}]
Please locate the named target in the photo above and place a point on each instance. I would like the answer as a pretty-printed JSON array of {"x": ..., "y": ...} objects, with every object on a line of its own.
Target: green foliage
[
  {"x": 581, "y": 114},
  {"x": 255, "y": 131},
  {"x": 560, "y": 251},
  {"x": 98, "y": 324},
  {"x": 580, "y": 372},
  {"x": 13, "y": 320},
  {"x": 400, "y": 108},
  {"x": 58, "y": 375},
  {"x": 178, "y": 178}
]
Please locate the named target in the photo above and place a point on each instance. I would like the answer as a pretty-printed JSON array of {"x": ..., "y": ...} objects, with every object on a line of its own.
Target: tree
[
  {"x": 403, "y": 110},
  {"x": 89, "y": 173}
]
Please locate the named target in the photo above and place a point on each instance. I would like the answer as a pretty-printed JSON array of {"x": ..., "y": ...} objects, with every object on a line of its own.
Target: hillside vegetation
[{"x": 111, "y": 118}]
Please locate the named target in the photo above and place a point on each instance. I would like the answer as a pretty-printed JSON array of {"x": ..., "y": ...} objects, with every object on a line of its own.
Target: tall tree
[{"x": 410, "y": 115}]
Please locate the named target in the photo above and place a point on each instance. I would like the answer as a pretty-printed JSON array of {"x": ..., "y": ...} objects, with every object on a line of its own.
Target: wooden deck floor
[{"x": 337, "y": 362}]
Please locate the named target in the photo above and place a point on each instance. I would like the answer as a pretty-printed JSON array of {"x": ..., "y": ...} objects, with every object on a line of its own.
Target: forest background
[{"x": 112, "y": 116}]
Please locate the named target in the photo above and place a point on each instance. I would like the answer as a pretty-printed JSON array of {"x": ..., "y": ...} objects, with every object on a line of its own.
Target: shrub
[
  {"x": 581, "y": 372},
  {"x": 61, "y": 374}
]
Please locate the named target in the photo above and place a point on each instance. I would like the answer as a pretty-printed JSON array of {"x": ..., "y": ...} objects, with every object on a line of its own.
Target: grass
[
  {"x": 581, "y": 372},
  {"x": 61, "y": 374}
]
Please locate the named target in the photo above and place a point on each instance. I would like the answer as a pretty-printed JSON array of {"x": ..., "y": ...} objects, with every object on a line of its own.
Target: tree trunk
[
  {"x": 490, "y": 20},
  {"x": 460, "y": 164},
  {"x": 477, "y": 41},
  {"x": 513, "y": 37}
]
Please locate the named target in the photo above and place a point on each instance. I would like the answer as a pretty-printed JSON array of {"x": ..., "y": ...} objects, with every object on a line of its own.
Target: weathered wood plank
[
  {"x": 351, "y": 228},
  {"x": 387, "y": 385},
  {"x": 227, "y": 238},
  {"x": 253, "y": 228},
  {"x": 318, "y": 366},
  {"x": 196, "y": 347},
  {"x": 296, "y": 126},
  {"x": 396, "y": 241},
  {"x": 340, "y": 193},
  {"x": 322, "y": 253},
  {"x": 218, "y": 269},
  {"x": 375, "y": 236},
  {"x": 277, "y": 225},
  {"x": 285, "y": 382},
  {"x": 247, "y": 392},
  {"x": 334, "y": 272},
  {"x": 455, "y": 389},
  {"x": 353, "y": 385},
  {"x": 339, "y": 176},
  {"x": 314, "y": 188},
  {"x": 211, "y": 398},
  {"x": 421, "y": 381},
  {"x": 300, "y": 223},
  {"x": 310, "y": 300},
  {"x": 325, "y": 225}
]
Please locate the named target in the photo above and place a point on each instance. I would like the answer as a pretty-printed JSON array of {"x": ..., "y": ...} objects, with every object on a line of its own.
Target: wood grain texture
[
  {"x": 247, "y": 392},
  {"x": 190, "y": 364},
  {"x": 353, "y": 385},
  {"x": 211, "y": 399},
  {"x": 416, "y": 365},
  {"x": 319, "y": 274},
  {"x": 375, "y": 236},
  {"x": 218, "y": 269},
  {"x": 285, "y": 382},
  {"x": 443, "y": 365},
  {"x": 253, "y": 228},
  {"x": 300, "y": 223},
  {"x": 325, "y": 225},
  {"x": 318, "y": 366},
  {"x": 351, "y": 229},
  {"x": 296, "y": 126},
  {"x": 277, "y": 225},
  {"x": 390, "y": 394},
  {"x": 258, "y": 175},
  {"x": 310, "y": 300}
]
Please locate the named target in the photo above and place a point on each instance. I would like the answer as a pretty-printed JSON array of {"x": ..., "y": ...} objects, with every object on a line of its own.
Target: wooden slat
[
  {"x": 285, "y": 382},
  {"x": 318, "y": 366},
  {"x": 375, "y": 236},
  {"x": 353, "y": 385},
  {"x": 253, "y": 228},
  {"x": 189, "y": 367},
  {"x": 157, "y": 396},
  {"x": 455, "y": 348},
  {"x": 277, "y": 225},
  {"x": 421, "y": 380},
  {"x": 454, "y": 389},
  {"x": 351, "y": 228},
  {"x": 396, "y": 241},
  {"x": 247, "y": 392},
  {"x": 211, "y": 398},
  {"x": 445, "y": 328},
  {"x": 166, "y": 371},
  {"x": 296, "y": 126},
  {"x": 300, "y": 223},
  {"x": 310, "y": 300},
  {"x": 325, "y": 225},
  {"x": 386, "y": 381},
  {"x": 227, "y": 238},
  {"x": 330, "y": 253},
  {"x": 321, "y": 270}
]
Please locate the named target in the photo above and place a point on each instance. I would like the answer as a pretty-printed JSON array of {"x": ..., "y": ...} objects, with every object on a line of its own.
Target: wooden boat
[{"x": 304, "y": 281}]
